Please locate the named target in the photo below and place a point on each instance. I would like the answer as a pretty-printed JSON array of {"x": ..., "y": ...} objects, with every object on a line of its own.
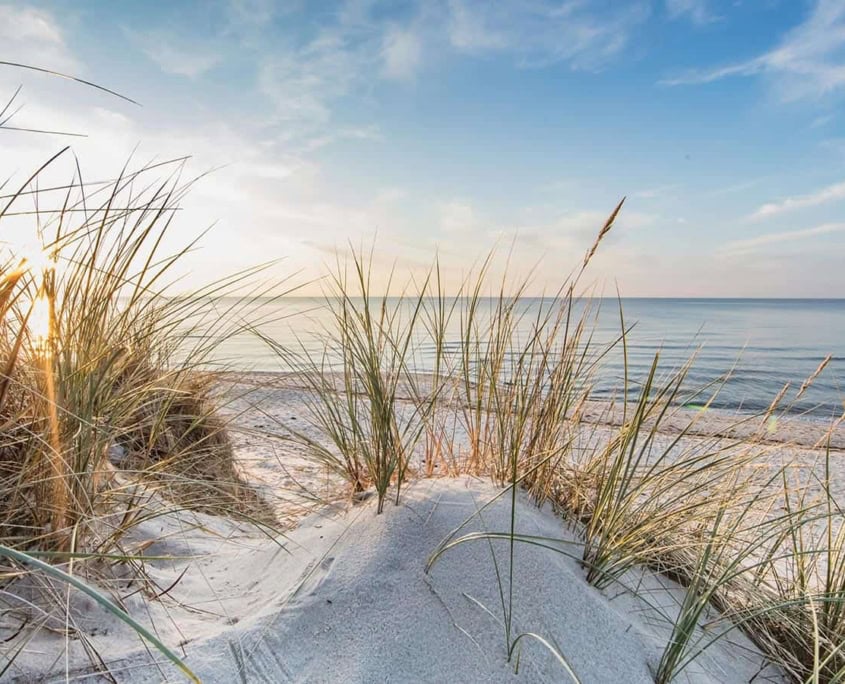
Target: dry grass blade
[
  {"x": 109, "y": 406},
  {"x": 50, "y": 72},
  {"x": 809, "y": 381},
  {"x": 605, "y": 229},
  {"x": 104, "y": 602}
]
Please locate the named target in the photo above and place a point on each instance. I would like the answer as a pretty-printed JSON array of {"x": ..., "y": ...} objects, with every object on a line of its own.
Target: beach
[
  {"x": 345, "y": 594},
  {"x": 443, "y": 341},
  {"x": 274, "y": 403}
]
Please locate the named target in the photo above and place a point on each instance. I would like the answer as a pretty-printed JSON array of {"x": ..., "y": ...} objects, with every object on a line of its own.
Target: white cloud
[
  {"x": 830, "y": 193},
  {"x": 334, "y": 134},
  {"x": 307, "y": 79},
  {"x": 458, "y": 216},
  {"x": 389, "y": 195},
  {"x": 821, "y": 120},
  {"x": 809, "y": 62},
  {"x": 264, "y": 202},
  {"x": 697, "y": 11},
  {"x": 255, "y": 12},
  {"x": 265, "y": 195},
  {"x": 34, "y": 37},
  {"x": 586, "y": 224},
  {"x": 175, "y": 58},
  {"x": 558, "y": 239},
  {"x": 303, "y": 85},
  {"x": 737, "y": 247},
  {"x": 543, "y": 32},
  {"x": 571, "y": 233},
  {"x": 401, "y": 54},
  {"x": 470, "y": 30},
  {"x": 734, "y": 188},
  {"x": 749, "y": 68},
  {"x": 581, "y": 224},
  {"x": 304, "y": 82},
  {"x": 347, "y": 56},
  {"x": 658, "y": 192}
]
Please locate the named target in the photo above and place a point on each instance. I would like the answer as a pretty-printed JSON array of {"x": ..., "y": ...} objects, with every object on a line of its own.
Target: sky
[{"x": 453, "y": 127}]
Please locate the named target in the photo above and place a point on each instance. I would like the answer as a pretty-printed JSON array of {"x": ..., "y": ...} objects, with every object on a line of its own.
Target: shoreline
[{"x": 800, "y": 431}]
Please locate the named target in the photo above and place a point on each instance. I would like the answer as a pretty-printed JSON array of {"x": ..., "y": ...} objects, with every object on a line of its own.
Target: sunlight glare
[
  {"x": 31, "y": 256},
  {"x": 39, "y": 321}
]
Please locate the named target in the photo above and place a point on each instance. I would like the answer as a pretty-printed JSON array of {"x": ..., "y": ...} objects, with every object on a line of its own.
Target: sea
[{"x": 747, "y": 349}]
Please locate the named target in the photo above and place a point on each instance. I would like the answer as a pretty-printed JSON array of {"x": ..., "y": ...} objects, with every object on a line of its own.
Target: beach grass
[
  {"x": 109, "y": 397},
  {"x": 752, "y": 549}
]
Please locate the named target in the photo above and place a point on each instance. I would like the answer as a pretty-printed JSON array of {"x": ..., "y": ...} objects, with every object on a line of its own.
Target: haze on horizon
[{"x": 451, "y": 126}]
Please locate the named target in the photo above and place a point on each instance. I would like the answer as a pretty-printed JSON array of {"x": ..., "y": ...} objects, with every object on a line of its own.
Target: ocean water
[{"x": 760, "y": 344}]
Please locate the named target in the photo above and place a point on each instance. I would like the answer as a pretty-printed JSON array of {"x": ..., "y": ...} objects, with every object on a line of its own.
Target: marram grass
[
  {"x": 766, "y": 553},
  {"x": 108, "y": 393},
  {"x": 96, "y": 366}
]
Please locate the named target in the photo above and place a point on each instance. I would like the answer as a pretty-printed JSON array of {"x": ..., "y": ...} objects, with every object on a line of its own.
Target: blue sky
[{"x": 454, "y": 126}]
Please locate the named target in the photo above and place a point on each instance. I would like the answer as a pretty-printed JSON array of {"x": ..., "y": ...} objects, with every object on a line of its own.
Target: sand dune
[{"x": 345, "y": 597}]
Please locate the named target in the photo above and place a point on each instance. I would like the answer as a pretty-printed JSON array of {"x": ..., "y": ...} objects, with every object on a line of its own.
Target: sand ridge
[{"x": 345, "y": 597}]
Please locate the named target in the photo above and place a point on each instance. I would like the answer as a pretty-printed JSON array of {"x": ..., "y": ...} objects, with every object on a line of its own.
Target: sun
[
  {"x": 39, "y": 321},
  {"x": 33, "y": 256}
]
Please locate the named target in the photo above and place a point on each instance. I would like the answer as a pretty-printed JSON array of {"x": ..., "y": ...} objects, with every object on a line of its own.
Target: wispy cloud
[
  {"x": 256, "y": 12},
  {"x": 749, "y": 68},
  {"x": 696, "y": 11},
  {"x": 464, "y": 225},
  {"x": 34, "y": 36},
  {"x": 830, "y": 193},
  {"x": 657, "y": 192},
  {"x": 401, "y": 54},
  {"x": 734, "y": 188},
  {"x": 737, "y": 247},
  {"x": 302, "y": 84},
  {"x": 808, "y": 62},
  {"x": 334, "y": 134},
  {"x": 306, "y": 78},
  {"x": 836, "y": 146},
  {"x": 173, "y": 56},
  {"x": 577, "y": 230},
  {"x": 543, "y": 32},
  {"x": 458, "y": 216},
  {"x": 821, "y": 120}
]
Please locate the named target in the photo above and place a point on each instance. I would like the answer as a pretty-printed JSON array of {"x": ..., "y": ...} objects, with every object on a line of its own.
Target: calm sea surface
[{"x": 763, "y": 343}]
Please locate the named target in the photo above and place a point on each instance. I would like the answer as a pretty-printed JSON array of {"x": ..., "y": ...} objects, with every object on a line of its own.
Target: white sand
[
  {"x": 344, "y": 597},
  {"x": 348, "y": 600},
  {"x": 276, "y": 402}
]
